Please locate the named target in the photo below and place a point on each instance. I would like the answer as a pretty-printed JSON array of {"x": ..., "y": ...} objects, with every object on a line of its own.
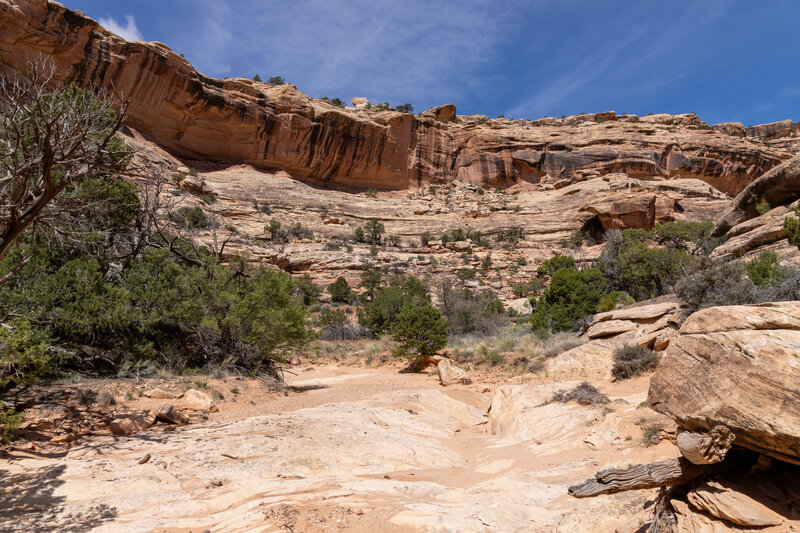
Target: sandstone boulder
[
  {"x": 197, "y": 399},
  {"x": 639, "y": 313},
  {"x": 732, "y": 505},
  {"x": 442, "y": 113},
  {"x": 359, "y": 102},
  {"x": 167, "y": 412},
  {"x": 737, "y": 366},
  {"x": 449, "y": 374},
  {"x": 609, "y": 328},
  {"x": 779, "y": 186},
  {"x": 130, "y": 424},
  {"x": 161, "y": 394}
]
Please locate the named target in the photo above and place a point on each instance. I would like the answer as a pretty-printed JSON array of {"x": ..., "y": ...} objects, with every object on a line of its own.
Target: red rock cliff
[{"x": 198, "y": 117}]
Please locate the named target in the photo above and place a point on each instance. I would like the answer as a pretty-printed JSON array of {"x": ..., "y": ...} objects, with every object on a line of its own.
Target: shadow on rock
[{"x": 28, "y": 503}]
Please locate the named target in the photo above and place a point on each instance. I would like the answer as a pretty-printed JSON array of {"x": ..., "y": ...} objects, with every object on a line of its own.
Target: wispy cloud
[
  {"x": 129, "y": 31},
  {"x": 415, "y": 51}
]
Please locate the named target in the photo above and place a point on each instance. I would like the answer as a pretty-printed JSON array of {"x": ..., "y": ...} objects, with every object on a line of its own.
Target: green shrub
[
  {"x": 572, "y": 295},
  {"x": 554, "y": 264},
  {"x": 613, "y": 299},
  {"x": 380, "y": 313},
  {"x": 465, "y": 273},
  {"x": 307, "y": 290},
  {"x": 510, "y": 236},
  {"x": 340, "y": 290},
  {"x": 405, "y": 108},
  {"x": 470, "y": 312},
  {"x": 631, "y": 360},
  {"x": 276, "y": 80},
  {"x": 373, "y": 232},
  {"x": 358, "y": 235},
  {"x": 24, "y": 354},
  {"x": 762, "y": 207},
  {"x": 420, "y": 329},
  {"x": 425, "y": 238},
  {"x": 766, "y": 269},
  {"x": 526, "y": 288},
  {"x": 10, "y": 420},
  {"x": 190, "y": 217}
]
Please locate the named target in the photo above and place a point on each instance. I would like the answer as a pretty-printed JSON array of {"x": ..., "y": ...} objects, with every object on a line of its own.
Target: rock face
[
  {"x": 197, "y": 117},
  {"x": 737, "y": 366},
  {"x": 779, "y": 186}
]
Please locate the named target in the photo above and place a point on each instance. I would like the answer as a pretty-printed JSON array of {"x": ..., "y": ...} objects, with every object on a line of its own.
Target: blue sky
[{"x": 727, "y": 60}]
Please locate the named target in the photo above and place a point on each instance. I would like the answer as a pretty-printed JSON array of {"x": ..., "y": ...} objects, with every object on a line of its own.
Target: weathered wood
[
  {"x": 659, "y": 474},
  {"x": 705, "y": 448}
]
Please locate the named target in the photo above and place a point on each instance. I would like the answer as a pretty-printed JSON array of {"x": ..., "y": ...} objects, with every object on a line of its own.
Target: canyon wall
[{"x": 278, "y": 127}]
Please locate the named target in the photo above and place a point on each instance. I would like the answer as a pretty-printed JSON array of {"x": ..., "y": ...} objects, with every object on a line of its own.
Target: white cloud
[
  {"x": 128, "y": 32},
  {"x": 417, "y": 51}
]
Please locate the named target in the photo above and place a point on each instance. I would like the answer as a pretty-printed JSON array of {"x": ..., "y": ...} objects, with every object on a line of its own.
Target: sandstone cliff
[{"x": 197, "y": 117}]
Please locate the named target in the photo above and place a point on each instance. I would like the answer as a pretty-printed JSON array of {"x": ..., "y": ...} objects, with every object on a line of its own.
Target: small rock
[
  {"x": 449, "y": 374},
  {"x": 130, "y": 424},
  {"x": 144, "y": 459},
  {"x": 182, "y": 170},
  {"x": 294, "y": 360},
  {"x": 63, "y": 439},
  {"x": 168, "y": 413},
  {"x": 161, "y": 394},
  {"x": 197, "y": 399}
]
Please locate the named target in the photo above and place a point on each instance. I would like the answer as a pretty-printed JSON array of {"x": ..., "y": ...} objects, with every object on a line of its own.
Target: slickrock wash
[{"x": 198, "y": 117}]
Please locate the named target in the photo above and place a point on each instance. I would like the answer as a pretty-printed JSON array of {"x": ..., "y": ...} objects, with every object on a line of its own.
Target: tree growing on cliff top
[{"x": 276, "y": 80}]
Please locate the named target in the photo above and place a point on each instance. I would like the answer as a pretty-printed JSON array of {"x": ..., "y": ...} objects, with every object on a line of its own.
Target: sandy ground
[{"x": 346, "y": 449}]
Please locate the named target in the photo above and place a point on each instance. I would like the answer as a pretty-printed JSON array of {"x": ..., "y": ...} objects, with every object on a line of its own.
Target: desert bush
[
  {"x": 307, "y": 290},
  {"x": 612, "y": 300},
  {"x": 524, "y": 289},
  {"x": 405, "y": 108},
  {"x": 190, "y": 217},
  {"x": 420, "y": 328},
  {"x": 470, "y": 312},
  {"x": 510, "y": 236},
  {"x": 24, "y": 354},
  {"x": 336, "y": 327},
  {"x": 373, "y": 232},
  {"x": 651, "y": 435},
  {"x": 715, "y": 283},
  {"x": 571, "y": 296},
  {"x": 766, "y": 269},
  {"x": 466, "y": 273},
  {"x": 554, "y": 264},
  {"x": 10, "y": 420},
  {"x": 762, "y": 207},
  {"x": 425, "y": 238},
  {"x": 359, "y": 235},
  {"x": 380, "y": 313},
  {"x": 340, "y": 290},
  {"x": 631, "y": 360},
  {"x": 276, "y": 80},
  {"x": 584, "y": 394}
]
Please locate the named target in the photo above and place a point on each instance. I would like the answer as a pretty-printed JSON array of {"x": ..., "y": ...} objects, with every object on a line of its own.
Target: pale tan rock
[
  {"x": 449, "y": 374},
  {"x": 130, "y": 424},
  {"x": 63, "y": 439},
  {"x": 521, "y": 305},
  {"x": 161, "y": 394},
  {"x": 359, "y": 102},
  {"x": 442, "y": 113},
  {"x": 610, "y": 328},
  {"x": 722, "y": 502},
  {"x": 197, "y": 399},
  {"x": 737, "y": 366},
  {"x": 168, "y": 413}
]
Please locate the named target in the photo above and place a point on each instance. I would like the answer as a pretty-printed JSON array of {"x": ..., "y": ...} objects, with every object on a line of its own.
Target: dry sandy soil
[{"x": 348, "y": 449}]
